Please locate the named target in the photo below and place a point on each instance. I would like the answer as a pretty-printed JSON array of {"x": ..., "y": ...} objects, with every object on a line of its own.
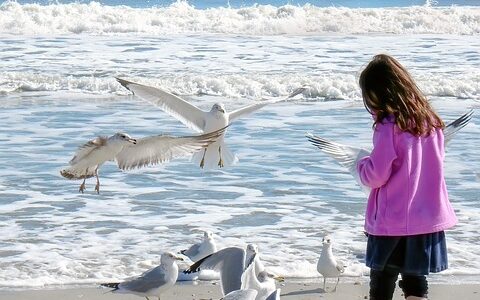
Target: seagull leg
[
  {"x": 82, "y": 186},
  {"x": 335, "y": 288},
  {"x": 97, "y": 187},
  {"x": 202, "y": 162},
  {"x": 325, "y": 284},
  {"x": 220, "y": 162}
]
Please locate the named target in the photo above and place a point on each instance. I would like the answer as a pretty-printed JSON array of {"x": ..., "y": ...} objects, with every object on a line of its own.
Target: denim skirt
[{"x": 412, "y": 255}]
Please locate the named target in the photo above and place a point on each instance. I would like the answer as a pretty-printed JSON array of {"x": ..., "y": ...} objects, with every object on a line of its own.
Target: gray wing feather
[
  {"x": 152, "y": 279},
  {"x": 274, "y": 296},
  {"x": 452, "y": 128},
  {"x": 192, "y": 251},
  {"x": 343, "y": 154}
]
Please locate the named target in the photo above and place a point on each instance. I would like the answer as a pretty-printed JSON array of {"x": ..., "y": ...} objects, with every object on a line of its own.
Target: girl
[{"x": 408, "y": 206}]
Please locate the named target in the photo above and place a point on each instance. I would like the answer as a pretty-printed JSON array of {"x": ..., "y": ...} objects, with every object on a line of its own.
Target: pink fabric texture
[{"x": 409, "y": 195}]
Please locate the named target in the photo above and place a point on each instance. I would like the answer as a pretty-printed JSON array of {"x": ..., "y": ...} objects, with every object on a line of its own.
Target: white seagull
[
  {"x": 199, "y": 250},
  {"x": 241, "y": 295},
  {"x": 132, "y": 153},
  {"x": 231, "y": 262},
  {"x": 348, "y": 156},
  {"x": 263, "y": 282},
  {"x": 153, "y": 282},
  {"x": 327, "y": 265},
  {"x": 216, "y": 154}
]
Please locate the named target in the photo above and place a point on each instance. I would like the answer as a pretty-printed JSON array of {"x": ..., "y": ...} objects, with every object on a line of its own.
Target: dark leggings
[{"x": 382, "y": 284}]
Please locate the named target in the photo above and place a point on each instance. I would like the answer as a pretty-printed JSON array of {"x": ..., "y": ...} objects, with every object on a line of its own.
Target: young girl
[{"x": 408, "y": 206}]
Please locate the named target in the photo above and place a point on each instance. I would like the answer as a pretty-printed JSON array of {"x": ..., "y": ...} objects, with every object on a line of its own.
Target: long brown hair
[{"x": 388, "y": 89}]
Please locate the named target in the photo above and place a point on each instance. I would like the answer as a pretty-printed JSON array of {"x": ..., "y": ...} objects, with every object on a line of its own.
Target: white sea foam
[{"x": 180, "y": 17}]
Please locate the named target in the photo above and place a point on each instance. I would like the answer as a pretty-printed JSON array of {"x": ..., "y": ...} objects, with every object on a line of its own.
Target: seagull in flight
[
  {"x": 217, "y": 153},
  {"x": 132, "y": 153},
  {"x": 348, "y": 156},
  {"x": 153, "y": 282}
]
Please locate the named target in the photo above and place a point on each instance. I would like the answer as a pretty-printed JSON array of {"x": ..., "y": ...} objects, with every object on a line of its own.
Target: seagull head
[
  {"x": 218, "y": 107},
  {"x": 120, "y": 136},
  {"x": 169, "y": 258},
  {"x": 265, "y": 276},
  {"x": 252, "y": 249},
  {"x": 326, "y": 241},
  {"x": 207, "y": 235}
]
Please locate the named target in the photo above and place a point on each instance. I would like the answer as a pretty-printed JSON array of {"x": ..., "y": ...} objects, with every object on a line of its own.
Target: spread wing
[
  {"x": 343, "y": 154},
  {"x": 87, "y": 148},
  {"x": 452, "y": 128},
  {"x": 216, "y": 261},
  {"x": 162, "y": 148},
  {"x": 178, "y": 108},
  {"x": 256, "y": 106}
]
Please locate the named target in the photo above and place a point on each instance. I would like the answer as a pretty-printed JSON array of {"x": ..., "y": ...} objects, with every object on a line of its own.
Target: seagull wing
[
  {"x": 452, "y": 128},
  {"x": 151, "y": 279},
  {"x": 274, "y": 296},
  {"x": 249, "y": 278},
  {"x": 162, "y": 148},
  {"x": 343, "y": 154},
  {"x": 241, "y": 295},
  {"x": 87, "y": 148},
  {"x": 188, "y": 114},
  {"x": 256, "y": 106},
  {"x": 230, "y": 262},
  {"x": 193, "y": 251}
]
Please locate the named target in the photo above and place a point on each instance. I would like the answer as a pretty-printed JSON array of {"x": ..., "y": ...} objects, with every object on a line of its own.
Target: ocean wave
[
  {"x": 321, "y": 87},
  {"x": 182, "y": 18}
]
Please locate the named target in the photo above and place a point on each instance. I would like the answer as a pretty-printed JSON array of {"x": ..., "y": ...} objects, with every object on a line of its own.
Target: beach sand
[{"x": 210, "y": 290}]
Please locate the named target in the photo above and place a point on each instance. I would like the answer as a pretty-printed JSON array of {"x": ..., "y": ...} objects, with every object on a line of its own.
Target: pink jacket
[{"x": 405, "y": 172}]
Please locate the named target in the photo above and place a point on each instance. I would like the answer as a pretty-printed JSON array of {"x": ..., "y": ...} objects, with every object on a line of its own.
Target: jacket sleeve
[{"x": 375, "y": 170}]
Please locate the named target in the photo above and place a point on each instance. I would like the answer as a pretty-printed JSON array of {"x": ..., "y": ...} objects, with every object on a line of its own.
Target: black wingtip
[
  {"x": 124, "y": 83},
  {"x": 113, "y": 285}
]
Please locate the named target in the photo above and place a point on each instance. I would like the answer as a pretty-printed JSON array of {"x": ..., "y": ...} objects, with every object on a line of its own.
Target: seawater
[{"x": 57, "y": 90}]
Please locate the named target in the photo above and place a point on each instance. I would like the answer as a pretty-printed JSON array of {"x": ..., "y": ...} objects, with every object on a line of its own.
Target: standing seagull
[
  {"x": 216, "y": 154},
  {"x": 231, "y": 262},
  {"x": 327, "y": 265},
  {"x": 199, "y": 250},
  {"x": 130, "y": 153},
  {"x": 153, "y": 282}
]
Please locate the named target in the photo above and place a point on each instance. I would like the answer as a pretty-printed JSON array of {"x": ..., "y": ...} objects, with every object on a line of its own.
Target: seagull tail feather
[{"x": 75, "y": 174}]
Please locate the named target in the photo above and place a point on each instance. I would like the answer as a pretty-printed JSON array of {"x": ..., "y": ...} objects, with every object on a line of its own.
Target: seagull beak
[
  {"x": 279, "y": 278},
  {"x": 133, "y": 141},
  {"x": 222, "y": 110},
  {"x": 179, "y": 258}
]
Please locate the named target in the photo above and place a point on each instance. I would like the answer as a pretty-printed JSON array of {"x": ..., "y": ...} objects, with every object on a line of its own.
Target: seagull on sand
[
  {"x": 327, "y": 265},
  {"x": 216, "y": 154},
  {"x": 231, "y": 262},
  {"x": 199, "y": 250},
  {"x": 153, "y": 282},
  {"x": 348, "y": 156},
  {"x": 132, "y": 153}
]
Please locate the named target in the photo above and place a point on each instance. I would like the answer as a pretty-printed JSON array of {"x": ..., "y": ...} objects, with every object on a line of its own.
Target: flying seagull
[
  {"x": 216, "y": 154},
  {"x": 153, "y": 282},
  {"x": 348, "y": 156},
  {"x": 132, "y": 153},
  {"x": 327, "y": 265},
  {"x": 231, "y": 262}
]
